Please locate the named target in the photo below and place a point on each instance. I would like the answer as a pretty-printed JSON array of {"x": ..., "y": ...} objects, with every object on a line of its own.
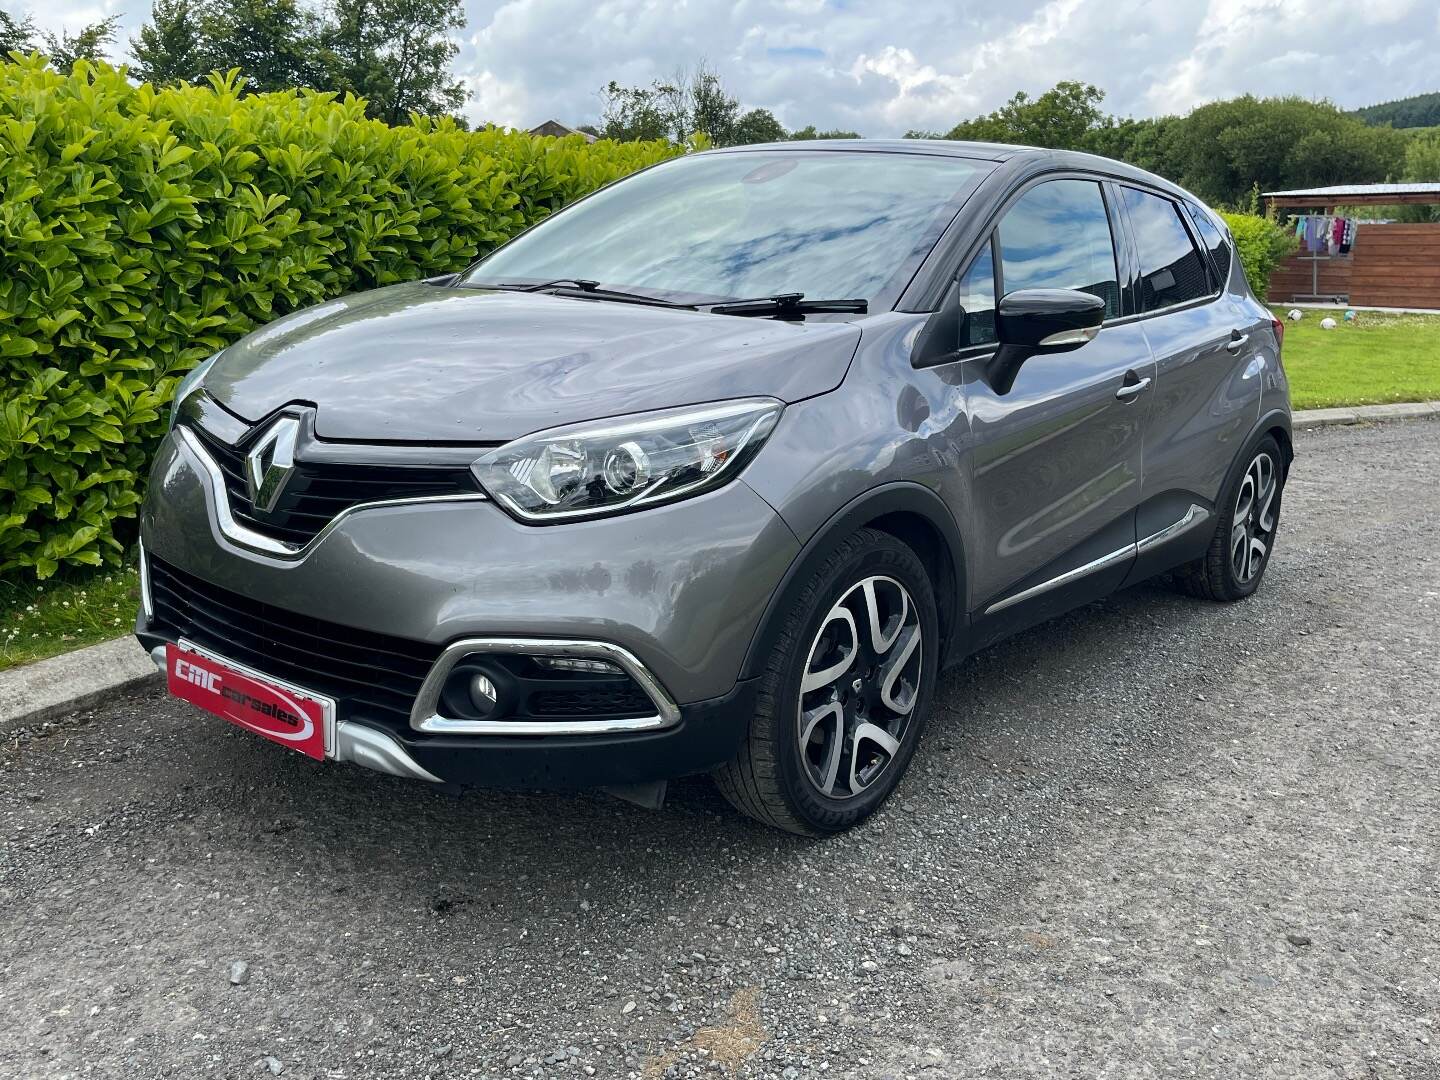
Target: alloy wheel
[
  {"x": 1252, "y": 525},
  {"x": 858, "y": 693}
]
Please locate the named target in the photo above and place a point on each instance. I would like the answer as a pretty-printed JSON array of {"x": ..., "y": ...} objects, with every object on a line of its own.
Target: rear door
[
  {"x": 1056, "y": 461},
  {"x": 1204, "y": 403}
]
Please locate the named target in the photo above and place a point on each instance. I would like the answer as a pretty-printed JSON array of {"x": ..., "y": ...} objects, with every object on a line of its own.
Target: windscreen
[{"x": 831, "y": 225}]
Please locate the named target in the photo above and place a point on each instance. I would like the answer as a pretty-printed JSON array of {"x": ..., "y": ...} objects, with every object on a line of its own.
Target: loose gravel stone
[{"x": 1143, "y": 797}]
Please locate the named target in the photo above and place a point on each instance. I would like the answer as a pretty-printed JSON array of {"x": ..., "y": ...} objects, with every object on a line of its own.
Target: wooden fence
[{"x": 1388, "y": 266}]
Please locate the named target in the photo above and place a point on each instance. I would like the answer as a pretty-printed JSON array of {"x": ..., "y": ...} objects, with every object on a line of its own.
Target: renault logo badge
[{"x": 270, "y": 462}]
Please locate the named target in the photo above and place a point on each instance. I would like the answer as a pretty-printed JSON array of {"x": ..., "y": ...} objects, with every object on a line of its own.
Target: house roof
[
  {"x": 1357, "y": 195},
  {"x": 554, "y": 127}
]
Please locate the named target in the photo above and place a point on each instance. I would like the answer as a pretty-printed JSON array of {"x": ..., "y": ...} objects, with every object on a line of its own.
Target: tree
[
  {"x": 88, "y": 43},
  {"x": 16, "y": 36},
  {"x": 395, "y": 54},
  {"x": 674, "y": 110},
  {"x": 1140, "y": 142},
  {"x": 636, "y": 112},
  {"x": 1422, "y": 157},
  {"x": 1422, "y": 164},
  {"x": 757, "y": 126},
  {"x": 1219, "y": 150},
  {"x": 707, "y": 107},
  {"x": 172, "y": 46},
  {"x": 809, "y": 132},
  {"x": 1061, "y": 118},
  {"x": 1422, "y": 110},
  {"x": 274, "y": 43}
]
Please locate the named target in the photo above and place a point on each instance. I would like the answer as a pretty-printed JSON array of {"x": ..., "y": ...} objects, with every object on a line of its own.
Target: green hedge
[
  {"x": 141, "y": 230},
  {"x": 1262, "y": 245}
]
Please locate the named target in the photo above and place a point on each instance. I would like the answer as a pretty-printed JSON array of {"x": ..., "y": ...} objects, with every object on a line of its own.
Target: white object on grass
[
  {"x": 1294, "y": 314},
  {"x": 1327, "y": 323}
]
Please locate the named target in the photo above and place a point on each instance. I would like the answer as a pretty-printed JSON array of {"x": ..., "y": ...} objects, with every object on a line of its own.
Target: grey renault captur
[{"x": 716, "y": 470}]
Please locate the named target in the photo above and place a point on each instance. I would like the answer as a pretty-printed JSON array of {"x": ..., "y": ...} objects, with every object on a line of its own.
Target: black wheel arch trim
[
  {"x": 1276, "y": 420},
  {"x": 1272, "y": 420},
  {"x": 899, "y": 498}
]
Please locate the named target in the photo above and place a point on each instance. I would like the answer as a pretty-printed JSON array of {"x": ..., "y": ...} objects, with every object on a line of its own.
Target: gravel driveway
[{"x": 1156, "y": 838}]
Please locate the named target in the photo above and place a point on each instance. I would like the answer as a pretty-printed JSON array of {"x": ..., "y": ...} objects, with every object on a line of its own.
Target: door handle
[
  {"x": 1236, "y": 342},
  {"x": 1130, "y": 391}
]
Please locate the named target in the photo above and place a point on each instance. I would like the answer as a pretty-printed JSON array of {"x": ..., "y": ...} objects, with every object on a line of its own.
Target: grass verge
[
  {"x": 1374, "y": 360},
  {"x": 40, "y": 619}
]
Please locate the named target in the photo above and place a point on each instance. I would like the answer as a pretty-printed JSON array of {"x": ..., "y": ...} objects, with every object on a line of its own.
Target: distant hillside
[{"x": 1422, "y": 110}]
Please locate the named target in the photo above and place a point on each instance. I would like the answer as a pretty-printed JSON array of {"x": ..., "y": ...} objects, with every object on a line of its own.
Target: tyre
[
  {"x": 845, "y": 693},
  {"x": 1244, "y": 539}
]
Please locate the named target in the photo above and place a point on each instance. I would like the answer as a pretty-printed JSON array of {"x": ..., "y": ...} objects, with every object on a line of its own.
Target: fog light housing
[{"x": 484, "y": 694}]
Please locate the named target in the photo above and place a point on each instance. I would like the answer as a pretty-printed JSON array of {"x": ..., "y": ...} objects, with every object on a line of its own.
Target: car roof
[{"x": 1041, "y": 157}]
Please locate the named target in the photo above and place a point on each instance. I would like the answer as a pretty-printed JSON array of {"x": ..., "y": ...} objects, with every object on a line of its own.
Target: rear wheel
[
  {"x": 1244, "y": 538},
  {"x": 845, "y": 693}
]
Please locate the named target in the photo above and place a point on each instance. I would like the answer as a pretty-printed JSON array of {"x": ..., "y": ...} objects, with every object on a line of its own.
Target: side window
[
  {"x": 977, "y": 301},
  {"x": 1214, "y": 239},
  {"x": 1058, "y": 237},
  {"x": 1171, "y": 270}
]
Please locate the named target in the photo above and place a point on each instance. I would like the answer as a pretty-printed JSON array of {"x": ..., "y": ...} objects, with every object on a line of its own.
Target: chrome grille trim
[{"x": 218, "y": 500}]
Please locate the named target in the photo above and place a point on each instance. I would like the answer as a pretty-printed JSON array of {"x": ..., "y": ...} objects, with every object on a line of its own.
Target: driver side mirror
[{"x": 1031, "y": 322}]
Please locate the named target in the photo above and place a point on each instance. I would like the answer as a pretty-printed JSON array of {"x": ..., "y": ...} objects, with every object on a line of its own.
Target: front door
[{"x": 1056, "y": 460}]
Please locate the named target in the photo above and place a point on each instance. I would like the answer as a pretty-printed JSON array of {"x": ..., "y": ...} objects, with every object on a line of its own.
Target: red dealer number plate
[{"x": 281, "y": 713}]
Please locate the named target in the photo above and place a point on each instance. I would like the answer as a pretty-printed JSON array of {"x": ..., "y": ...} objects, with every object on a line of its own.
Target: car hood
[{"x": 420, "y": 362}]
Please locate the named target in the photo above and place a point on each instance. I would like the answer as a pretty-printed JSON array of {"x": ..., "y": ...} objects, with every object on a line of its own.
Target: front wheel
[
  {"x": 845, "y": 694},
  {"x": 1244, "y": 538}
]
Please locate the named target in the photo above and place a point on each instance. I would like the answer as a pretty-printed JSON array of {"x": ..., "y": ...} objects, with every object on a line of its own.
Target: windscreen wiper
[
  {"x": 583, "y": 286},
  {"x": 787, "y": 306}
]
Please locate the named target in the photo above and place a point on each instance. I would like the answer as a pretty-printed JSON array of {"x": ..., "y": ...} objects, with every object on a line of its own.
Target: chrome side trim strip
[
  {"x": 372, "y": 748},
  {"x": 243, "y": 536},
  {"x": 425, "y": 715},
  {"x": 1196, "y": 515},
  {"x": 147, "y": 607},
  {"x": 1066, "y": 578}
]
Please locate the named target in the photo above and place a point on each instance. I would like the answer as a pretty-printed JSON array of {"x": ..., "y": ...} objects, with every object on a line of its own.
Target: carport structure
[{"x": 1395, "y": 264}]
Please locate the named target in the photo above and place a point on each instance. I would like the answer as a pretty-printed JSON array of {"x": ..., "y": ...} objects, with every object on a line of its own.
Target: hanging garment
[{"x": 1348, "y": 239}]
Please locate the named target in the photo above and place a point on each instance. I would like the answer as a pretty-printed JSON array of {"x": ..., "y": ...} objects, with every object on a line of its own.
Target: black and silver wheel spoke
[
  {"x": 1253, "y": 520},
  {"x": 858, "y": 692}
]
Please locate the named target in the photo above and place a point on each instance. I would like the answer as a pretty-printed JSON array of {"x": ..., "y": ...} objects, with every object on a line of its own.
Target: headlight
[
  {"x": 610, "y": 465},
  {"x": 190, "y": 383}
]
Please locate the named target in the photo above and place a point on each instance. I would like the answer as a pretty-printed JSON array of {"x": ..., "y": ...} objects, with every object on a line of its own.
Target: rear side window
[
  {"x": 1171, "y": 270},
  {"x": 1057, "y": 236},
  {"x": 1213, "y": 239},
  {"x": 977, "y": 301}
]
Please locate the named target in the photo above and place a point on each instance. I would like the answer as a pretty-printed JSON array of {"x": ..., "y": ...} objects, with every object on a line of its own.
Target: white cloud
[{"x": 883, "y": 67}]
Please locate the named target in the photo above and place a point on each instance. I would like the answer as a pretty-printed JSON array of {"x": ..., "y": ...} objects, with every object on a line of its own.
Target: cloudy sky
[{"x": 881, "y": 68}]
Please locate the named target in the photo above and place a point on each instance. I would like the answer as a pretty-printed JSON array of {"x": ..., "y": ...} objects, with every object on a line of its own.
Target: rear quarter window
[
  {"x": 1214, "y": 240},
  {"x": 1172, "y": 271}
]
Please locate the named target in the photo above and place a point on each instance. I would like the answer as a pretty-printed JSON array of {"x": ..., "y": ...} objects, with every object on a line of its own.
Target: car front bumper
[{"x": 678, "y": 589}]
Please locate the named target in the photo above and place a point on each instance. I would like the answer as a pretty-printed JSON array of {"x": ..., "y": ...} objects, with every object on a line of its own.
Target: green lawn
[
  {"x": 39, "y": 619},
  {"x": 1372, "y": 361}
]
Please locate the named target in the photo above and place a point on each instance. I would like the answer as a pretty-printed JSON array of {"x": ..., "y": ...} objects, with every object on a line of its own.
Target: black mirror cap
[{"x": 1048, "y": 320}]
